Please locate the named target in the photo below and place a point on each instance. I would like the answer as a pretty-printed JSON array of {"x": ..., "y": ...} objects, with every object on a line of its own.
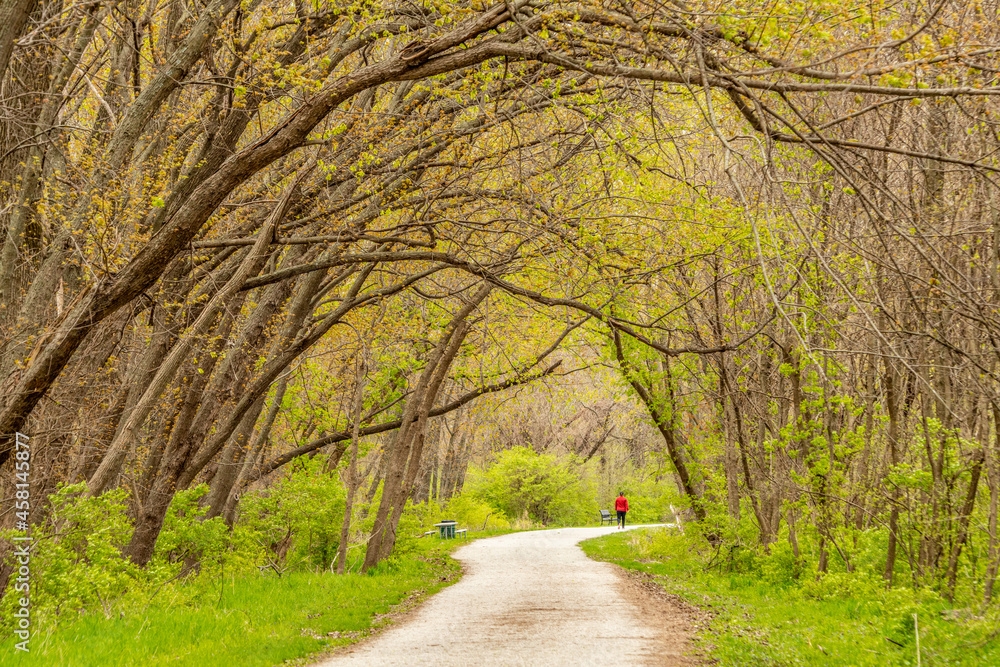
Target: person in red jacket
[{"x": 621, "y": 506}]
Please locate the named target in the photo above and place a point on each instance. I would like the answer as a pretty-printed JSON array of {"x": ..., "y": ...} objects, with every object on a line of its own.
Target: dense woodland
[{"x": 747, "y": 252}]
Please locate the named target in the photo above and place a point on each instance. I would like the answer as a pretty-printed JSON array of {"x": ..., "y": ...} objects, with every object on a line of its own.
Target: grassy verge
[
  {"x": 759, "y": 622},
  {"x": 250, "y": 621}
]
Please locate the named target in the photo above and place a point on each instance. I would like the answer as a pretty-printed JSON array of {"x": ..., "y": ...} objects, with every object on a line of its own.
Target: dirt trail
[{"x": 534, "y": 599}]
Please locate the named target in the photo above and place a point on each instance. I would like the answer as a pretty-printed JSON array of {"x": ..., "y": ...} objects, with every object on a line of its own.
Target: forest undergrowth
[
  {"x": 773, "y": 609},
  {"x": 261, "y": 593}
]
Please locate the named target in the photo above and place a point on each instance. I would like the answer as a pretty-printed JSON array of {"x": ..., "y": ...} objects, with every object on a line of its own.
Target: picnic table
[{"x": 446, "y": 529}]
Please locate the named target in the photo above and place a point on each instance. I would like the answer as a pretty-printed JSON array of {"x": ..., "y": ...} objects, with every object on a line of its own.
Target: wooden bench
[
  {"x": 606, "y": 516},
  {"x": 464, "y": 532}
]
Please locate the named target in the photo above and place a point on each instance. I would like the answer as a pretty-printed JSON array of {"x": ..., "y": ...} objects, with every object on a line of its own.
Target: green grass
[
  {"x": 248, "y": 621},
  {"x": 757, "y": 622}
]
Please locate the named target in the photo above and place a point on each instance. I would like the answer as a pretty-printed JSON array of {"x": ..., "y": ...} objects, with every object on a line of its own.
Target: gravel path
[{"x": 534, "y": 598}]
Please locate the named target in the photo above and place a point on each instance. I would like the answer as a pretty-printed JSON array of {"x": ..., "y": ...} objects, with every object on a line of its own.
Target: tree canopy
[{"x": 777, "y": 223}]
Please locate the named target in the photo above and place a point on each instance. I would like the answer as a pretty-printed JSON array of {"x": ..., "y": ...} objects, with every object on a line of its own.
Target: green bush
[
  {"x": 76, "y": 560},
  {"x": 475, "y": 513},
  {"x": 185, "y": 534},
  {"x": 299, "y": 518},
  {"x": 541, "y": 487},
  {"x": 780, "y": 567}
]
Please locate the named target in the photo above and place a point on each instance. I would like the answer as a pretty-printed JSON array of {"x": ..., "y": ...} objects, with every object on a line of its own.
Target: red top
[{"x": 621, "y": 504}]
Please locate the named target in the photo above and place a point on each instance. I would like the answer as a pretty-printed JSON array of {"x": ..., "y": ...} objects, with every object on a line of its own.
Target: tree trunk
[
  {"x": 665, "y": 426},
  {"x": 353, "y": 482},
  {"x": 405, "y": 454},
  {"x": 963, "y": 523},
  {"x": 232, "y": 462},
  {"x": 993, "y": 480}
]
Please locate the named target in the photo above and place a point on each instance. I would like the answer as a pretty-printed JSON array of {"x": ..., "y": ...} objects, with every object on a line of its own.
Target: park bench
[
  {"x": 606, "y": 516},
  {"x": 464, "y": 532}
]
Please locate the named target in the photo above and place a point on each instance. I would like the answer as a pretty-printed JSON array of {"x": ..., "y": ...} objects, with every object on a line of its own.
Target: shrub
[
  {"x": 542, "y": 487},
  {"x": 185, "y": 533},
  {"x": 76, "y": 559},
  {"x": 475, "y": 513},
  {"x": 299, "y": 518},
  {"x": 780, "y": 567}
]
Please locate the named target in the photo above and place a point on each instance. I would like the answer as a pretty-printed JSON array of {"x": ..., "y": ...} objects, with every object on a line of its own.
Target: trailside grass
[
  {"x": 755, "y": 622},
  {"x": 250, "y": 621}
]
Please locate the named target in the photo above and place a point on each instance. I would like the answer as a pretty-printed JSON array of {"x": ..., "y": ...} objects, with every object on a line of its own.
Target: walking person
[{"x": 621, "y": 507}]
